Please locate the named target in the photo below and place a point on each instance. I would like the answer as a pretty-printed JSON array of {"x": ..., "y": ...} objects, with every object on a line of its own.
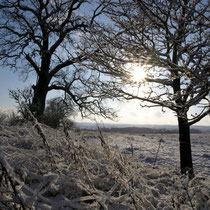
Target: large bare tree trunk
[
  {"x": 185, "y": 147},
  {"x": 40, "y": 94}
]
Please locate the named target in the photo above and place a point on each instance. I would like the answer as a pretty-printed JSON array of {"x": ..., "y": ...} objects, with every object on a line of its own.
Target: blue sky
[{"x": 8, "y": 80}]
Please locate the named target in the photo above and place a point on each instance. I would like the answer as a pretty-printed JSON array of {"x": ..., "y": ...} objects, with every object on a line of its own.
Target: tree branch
[
  {"x": 33, "y": 64},
  {"x": 65, "y": 64},
  {"x": 201, "y": 116}
]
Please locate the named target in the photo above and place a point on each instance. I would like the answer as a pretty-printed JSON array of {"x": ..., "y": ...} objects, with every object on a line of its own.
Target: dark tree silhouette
[
  {"x": 170, "y": 41},
  {"x": 45, "y": 38}
]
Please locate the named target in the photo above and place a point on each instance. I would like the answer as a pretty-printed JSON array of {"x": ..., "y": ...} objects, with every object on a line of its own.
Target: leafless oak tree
[
  {"x": 44, "y": 38},
  {"x": 170, "y": 39}
]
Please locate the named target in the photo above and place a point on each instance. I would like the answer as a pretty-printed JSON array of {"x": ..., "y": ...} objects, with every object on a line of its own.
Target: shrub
[
  {"x": 11, "y": 118},
  {"x": 57, "y": 112},
  {"x": 22, "y": 97},
  {"x": 3, "y": 117},
  {"x": 15, "y": 119},
  {"x": 57, "y": 109}
]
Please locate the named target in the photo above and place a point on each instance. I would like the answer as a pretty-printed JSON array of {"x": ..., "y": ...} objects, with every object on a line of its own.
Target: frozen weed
[{"x": 89, "y": 174}]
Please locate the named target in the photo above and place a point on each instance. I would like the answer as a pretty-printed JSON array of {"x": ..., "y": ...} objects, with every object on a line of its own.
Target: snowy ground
[
  {"x": 145, "y": 148},
  {"x": 43, "y": 168}
]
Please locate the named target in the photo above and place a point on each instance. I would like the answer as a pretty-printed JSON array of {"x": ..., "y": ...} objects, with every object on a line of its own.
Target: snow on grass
[
  {"x": 88, "y": 170},
  {"x": 145, "y": 149}
]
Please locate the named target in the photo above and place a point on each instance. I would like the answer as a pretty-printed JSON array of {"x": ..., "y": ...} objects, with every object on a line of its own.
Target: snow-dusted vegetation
[{"x": 45, "y": 168}]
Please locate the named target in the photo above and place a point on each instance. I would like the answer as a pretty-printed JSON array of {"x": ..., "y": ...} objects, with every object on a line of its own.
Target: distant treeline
[{"x": 136, "y": 130}]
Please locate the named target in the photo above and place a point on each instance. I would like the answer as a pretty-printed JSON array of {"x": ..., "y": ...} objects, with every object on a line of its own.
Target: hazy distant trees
[
  {"x": 170, "y": 40},
  {"x": 45, "y": 39}
]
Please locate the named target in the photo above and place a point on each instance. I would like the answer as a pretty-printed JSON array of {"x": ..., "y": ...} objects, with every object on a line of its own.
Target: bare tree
[
  {"x": 22, "y": 97},
  {"x": 44, "y": 38},
  {"x": 169, "y": 41}
]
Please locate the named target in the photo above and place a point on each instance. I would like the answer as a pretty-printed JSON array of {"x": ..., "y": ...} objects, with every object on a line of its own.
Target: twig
[
  {"x": 42, "y": 135},
  {"x": 160, "y": 141},
  {"x": 188, "y": 195},
  {"x": 8, "y": 171},
  {"x": 103, "y": 141}
]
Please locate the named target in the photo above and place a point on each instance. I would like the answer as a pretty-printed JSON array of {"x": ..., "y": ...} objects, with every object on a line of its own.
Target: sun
[{"x": 137, "y": 73}]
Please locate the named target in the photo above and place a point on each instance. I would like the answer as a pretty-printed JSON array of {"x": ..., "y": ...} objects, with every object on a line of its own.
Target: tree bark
[
  {"x": 39, "y": 98},
  {"x": 186, "y": 163}
]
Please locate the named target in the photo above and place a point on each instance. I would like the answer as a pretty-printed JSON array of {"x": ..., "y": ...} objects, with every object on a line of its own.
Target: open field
[
  {"x": 145, "y": 148},
  {"x": 44, "y": 168}
]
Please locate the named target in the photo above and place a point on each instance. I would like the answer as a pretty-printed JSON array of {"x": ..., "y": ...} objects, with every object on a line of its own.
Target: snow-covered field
[
  {"x": 162, "y": 150},
  {"x": 43, "y": 168}
]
